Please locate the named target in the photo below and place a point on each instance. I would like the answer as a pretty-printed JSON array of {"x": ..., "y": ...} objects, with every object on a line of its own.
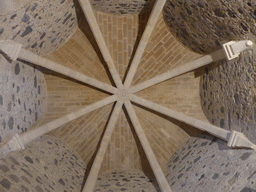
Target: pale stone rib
[
  {"x": 162, "y": 182},
  {"x": 157, "y": 9},
  {"x": 93, "y": 175},
  {"x": 214, "y": 130},
  {"x": 88, "y": 12},
  {"x": 40, "y": 61},
  {"x": 205, "y": 60},
  {"x": 234, "y": 138},
  {"x": 35, "y": 133}
]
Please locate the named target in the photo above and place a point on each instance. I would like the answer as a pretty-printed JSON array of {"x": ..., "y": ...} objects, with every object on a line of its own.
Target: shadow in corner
[{"x": 90, "y": 163}]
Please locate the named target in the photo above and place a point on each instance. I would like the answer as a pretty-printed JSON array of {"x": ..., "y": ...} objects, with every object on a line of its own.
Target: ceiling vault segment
[
  {"x": 190, "y": 66},
  {"x": 17, "y": 142},
  {"x": 40, "y": 61},
  {"x": 161, "y": 180},
  {"x": 91, "y": 19},
  {"x": 234, "y": 138},
  {"x": 93, "y": 174},
  {"x": 14, "y": 51},
  {"x": 153, "y": 18}
]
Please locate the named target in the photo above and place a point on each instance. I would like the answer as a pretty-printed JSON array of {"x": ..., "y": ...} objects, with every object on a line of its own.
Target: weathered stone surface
[
  {"x": 203, "y": 25},
  {"x": 228, "y": 94},
  {"x": 205, "y": 163},
  {"x": 124, "y": 180},
  {"x": 39, "y": 26},
  {"x": 47, "y": 164},
  {"x": 22, "y": 97},
  {"x": 120, "y": 6}
]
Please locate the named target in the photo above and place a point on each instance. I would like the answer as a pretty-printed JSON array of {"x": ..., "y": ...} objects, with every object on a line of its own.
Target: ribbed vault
[{"x": 118, "y": 57}]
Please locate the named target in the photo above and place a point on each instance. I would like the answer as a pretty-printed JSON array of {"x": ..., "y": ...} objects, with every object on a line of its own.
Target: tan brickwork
[
  {"x": 66, "y": 96},
  {"x": 122, "y": 152},
  {"x": 162, "y": 53},
  {"x": 120, "y": 33},
  {"x": 84, "y": 133},
  {"x": 165, "y": 135},
  {"x": 78, "y": 54},
  {"x": 180, "y": 94}
]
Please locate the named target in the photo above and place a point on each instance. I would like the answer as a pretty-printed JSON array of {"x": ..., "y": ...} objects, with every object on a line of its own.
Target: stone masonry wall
[
  {"x": 228, "y": 92},
  {"x": 205, "y": 163},
  {"x": 22, "y": 97},
  {"x": 121, "y": 6},
  {"x": 124, "y": 180},
  {"x": 40, "y": 26},
  {"x": 47, "y": 164},
  {"x": 203, "y": 26}
]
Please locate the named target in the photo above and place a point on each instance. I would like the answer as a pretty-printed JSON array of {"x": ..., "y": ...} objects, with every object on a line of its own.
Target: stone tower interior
[{"x": 97, "y": 97}]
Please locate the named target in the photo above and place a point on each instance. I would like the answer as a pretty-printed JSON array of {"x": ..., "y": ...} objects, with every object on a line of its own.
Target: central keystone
[{"x": 123, "y": 94}]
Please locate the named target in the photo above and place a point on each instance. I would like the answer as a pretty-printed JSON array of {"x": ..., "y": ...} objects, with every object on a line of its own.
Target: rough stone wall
[
  {"x": 228, "y": 94},
  {"x": 124, "y": 180},
  {"x": 47, "y": 164},
  {"x": 121, "y": 6},
  {"x": 203, "y": 26},
  {"x": 22, "y": 97},
  {"x": 40, "y": 26},
  {"x": 205, "y": 163}
]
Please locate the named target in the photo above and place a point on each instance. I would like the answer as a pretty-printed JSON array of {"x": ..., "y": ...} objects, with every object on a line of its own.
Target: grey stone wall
[
  {"x": 203, "y": 25},
  {"x": 121, "y": 6},
  {"x": 124, "y": 180},
  {"x": 22, "y": 97},
  {"x": 228, "y": 94},
  {"x": 40, "y": 26},
  {"x": 205, "y": 163},
  {"x": 46, "y": 165}
]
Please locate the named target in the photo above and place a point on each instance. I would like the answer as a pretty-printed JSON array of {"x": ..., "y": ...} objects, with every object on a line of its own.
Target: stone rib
[
  {"x": 88, "y": 12},
  {"x": 157, "y": 9},
  {"x": 93, "y": 175},
  {"x": 214, "y": 130},
  {"x": 40, "y": 61},
  {"x": 234, "y": 138},
  {"x": 190, "y": 66},
  {"x": 35, "y": 133},
  {"x": 162, "y": 182}
]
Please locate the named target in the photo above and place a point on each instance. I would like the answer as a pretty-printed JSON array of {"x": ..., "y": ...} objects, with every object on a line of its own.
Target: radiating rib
[
  {"x": 214, "y": 130},
  {"x": 205, "y": 60},
  {"x": 35, "y": 133},
  {"x": 144, "y": 41},
  {"x": 162, "y": 182},
  {"x": 88, "y": 12},
  {"x": 93, "y": 175},
  {"x": 40, "y": 61},
  {"x": 234, "y": 138}
]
